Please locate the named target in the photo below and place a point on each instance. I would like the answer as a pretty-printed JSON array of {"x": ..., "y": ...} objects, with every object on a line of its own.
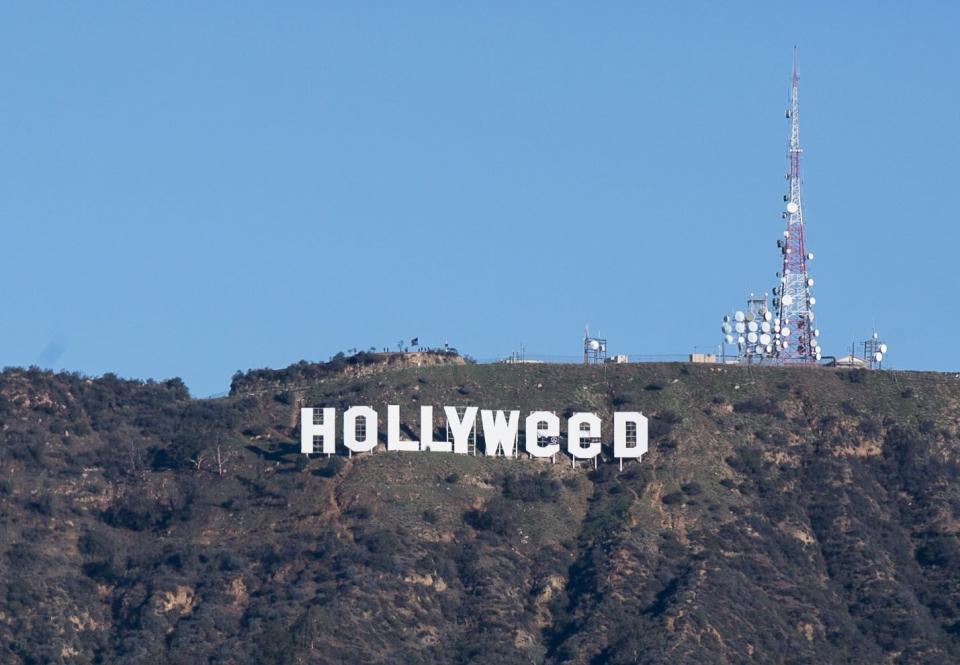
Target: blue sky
[{"x": 188, "y": 189}]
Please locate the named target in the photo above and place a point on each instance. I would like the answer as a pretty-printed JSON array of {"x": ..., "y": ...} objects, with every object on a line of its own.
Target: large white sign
[{"x": 361, "y": 427}]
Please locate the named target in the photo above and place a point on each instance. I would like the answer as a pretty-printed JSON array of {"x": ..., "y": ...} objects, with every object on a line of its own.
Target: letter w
[{"x": 500, "y": 432}]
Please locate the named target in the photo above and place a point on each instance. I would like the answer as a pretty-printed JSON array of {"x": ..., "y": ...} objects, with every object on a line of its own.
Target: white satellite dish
[
  {"x": 818, "y": 355},
  {"x": 752, "y": 337},
  {"x": 810, "y": 315},
  {"x": 785, "y": 332},
  {"x": 595, "y": 345},
  {"x": 813, "y": 301},
  {"x": 813, "y": 343},
  {"x": 765, "y": 327},
  {"x": 728, "y": 339},
  {"x": 769, "y": 349},
  {"x": 810, "y": 256},
  {"x": 759, "y": 349},
  {"x": 726, "y": 328},
  {"x": 792, "y": 207},
  {"x": 749, "y": 316},
  {"x": 787, "y": 300},
  {"x": 878, "y": 356},
  {"x": 752, "y": 326},
  {"x": 765, "y": 339},
  {"x": 741, "y": 340},
  {"x": 726, "y": 319},
  {"x": 883, "y": 348},
  {"x": 810, "y": 282},
  {"x": 767, "y": 316},
  {"x": 816, "y": 332},
  {"x": 740, "y": 327},
  {"x": 738, "y": 315}
]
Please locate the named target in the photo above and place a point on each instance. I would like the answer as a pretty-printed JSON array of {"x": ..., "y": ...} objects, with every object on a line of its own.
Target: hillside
[{"x": 781, "y": 516}]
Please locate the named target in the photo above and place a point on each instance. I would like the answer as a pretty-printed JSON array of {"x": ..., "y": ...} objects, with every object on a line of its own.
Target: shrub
[
  {"x": 621, "y": 399},
  {"x": 359, "y": 511},
  {"x": 857, "y": 375},
  {"x": 747, "y": 460},
  {"x": 333, "y": 466},
  {"x": 531, "y": 487},
  {"x": 672, "y": 498},
  {"x": 497, "y": 516},
  {"x": 758, "y": 405},
  {"x": 136, "y": 513}
]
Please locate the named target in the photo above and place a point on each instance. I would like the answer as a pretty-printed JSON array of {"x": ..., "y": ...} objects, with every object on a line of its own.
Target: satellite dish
[
  {"x": 752, "y": 337},
  {"x": 740, "y": 327},
  {"x": 813, "y": 343},
  {"x": 810, "y": 256},
  {"x": 728, "y": 339},
  {"x": 603, "y": 347},
  {"x": 818, "y": 355},
  {"x": 726, "y": 328},
  {"x": 813, "y": 301},
  {"x": 749, "y": 316},
  {"x": 738, "y": 315},
  {"x": 785, "y": 332},
  {"x": 792, "y": 207},
  {"x": 765, "y": 339},
  {"x": 769, "y": 349},
  {"x": 765, "y": 327},
  {"x": 752, "y": 326},
  {"x": 767, "y": 316},
  {"x": 741, "y": 340},
  {"x": 759, "y": 349},
  {"x": 878, "y": 356},
  {"x": 810, "y": 282},
  {"x": 595, "y": 345},
  {"x": 810, "y": 315},
  {"x": 787, "y": 300},
  {"x": 883, "y": 348}
]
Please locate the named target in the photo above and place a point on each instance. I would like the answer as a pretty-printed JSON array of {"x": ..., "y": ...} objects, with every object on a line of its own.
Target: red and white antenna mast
[{"x": 795, "y": 334}]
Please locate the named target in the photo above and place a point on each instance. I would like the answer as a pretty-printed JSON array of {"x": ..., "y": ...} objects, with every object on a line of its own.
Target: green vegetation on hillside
[{"x": 781, "y": 515}]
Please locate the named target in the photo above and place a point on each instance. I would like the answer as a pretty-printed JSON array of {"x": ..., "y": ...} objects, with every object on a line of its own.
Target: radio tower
[{"x": 796, "y": 336}]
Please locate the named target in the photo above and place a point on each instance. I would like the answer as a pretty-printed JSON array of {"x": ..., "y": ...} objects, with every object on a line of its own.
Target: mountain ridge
[{"x": 781, "y": 515}]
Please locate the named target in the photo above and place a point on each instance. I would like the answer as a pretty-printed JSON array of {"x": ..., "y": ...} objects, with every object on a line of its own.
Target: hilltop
[{"x": 782, "y": 515}]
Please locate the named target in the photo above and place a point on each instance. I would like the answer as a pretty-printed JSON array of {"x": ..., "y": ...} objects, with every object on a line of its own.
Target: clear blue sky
[{"x": 188, "y": 189}]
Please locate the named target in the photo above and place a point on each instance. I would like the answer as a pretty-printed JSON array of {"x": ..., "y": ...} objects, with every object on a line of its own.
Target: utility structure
[
  {"x": 795, "y": 335},
  {"x": 874, "y": 351},
  {"x": 751, "y": 332},
  {"x": 594, "y": 348}
]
